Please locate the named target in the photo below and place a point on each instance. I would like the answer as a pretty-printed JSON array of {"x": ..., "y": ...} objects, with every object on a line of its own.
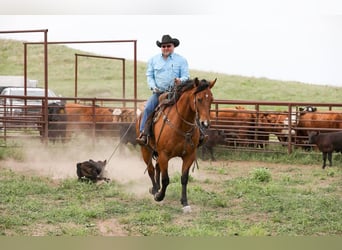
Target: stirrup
[{"x": 142, "y": 139}]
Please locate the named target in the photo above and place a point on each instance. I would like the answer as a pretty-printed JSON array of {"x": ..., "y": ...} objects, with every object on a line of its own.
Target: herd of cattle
[
  {"x": 65, "y": 120},
  {"x": 303, "y": 128},
  {"x": 233, "y": 127}
]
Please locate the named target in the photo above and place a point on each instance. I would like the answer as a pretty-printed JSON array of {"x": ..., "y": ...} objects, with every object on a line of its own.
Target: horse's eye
[{"x": 199, "y": 100}]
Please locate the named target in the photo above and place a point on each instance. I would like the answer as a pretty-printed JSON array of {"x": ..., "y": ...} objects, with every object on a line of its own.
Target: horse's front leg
[
  {"x": 184, "y": 181},
  {"x": 163, "y": 170},
  {"x": 157, "y": 176}
]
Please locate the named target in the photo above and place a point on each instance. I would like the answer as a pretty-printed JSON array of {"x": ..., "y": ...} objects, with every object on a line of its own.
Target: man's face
[{"x": 167, "y": 48}]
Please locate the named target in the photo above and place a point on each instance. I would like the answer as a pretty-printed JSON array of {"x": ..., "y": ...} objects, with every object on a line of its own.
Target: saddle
[{"x": 166, "y": 99}]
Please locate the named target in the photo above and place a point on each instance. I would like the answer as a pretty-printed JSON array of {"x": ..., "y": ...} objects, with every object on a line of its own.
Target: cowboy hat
[{"x": 168, "y": 39}]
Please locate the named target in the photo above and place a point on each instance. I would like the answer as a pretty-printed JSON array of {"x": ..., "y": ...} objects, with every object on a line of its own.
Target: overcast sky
[{"x": 299, "y": 40}]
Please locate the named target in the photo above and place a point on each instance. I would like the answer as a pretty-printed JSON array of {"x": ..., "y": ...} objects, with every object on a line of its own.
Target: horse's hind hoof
[{"x": 186, "y": 209}]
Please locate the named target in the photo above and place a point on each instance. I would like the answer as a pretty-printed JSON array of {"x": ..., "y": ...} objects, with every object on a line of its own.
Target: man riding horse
[{"x": 164, "y": 71}]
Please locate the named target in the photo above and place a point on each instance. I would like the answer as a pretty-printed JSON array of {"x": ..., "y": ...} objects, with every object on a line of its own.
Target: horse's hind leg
[
  {"x": 147, "y": 156},
  {"x": 155, "y": 177}
]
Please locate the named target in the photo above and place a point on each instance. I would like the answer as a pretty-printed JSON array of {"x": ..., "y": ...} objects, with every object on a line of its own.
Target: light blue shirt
[{"x": 161, "y": 73}]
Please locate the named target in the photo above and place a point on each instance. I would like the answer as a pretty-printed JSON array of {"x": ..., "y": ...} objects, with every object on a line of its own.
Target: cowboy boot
[{"x": 142, "y": 139}]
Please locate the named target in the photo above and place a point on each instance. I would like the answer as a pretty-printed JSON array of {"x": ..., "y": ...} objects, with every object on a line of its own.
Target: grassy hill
[{"x": 103, "y": 78}]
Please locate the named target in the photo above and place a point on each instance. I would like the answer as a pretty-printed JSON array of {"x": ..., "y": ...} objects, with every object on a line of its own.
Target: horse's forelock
[{"x": 204, "y": 84}]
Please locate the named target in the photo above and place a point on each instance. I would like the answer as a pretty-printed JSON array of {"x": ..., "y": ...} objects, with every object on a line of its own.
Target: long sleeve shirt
[{"x": 161, "y": 73}]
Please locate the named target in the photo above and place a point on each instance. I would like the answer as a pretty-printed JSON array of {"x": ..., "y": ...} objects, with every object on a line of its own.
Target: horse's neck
[{"x": 183, "y": 107}]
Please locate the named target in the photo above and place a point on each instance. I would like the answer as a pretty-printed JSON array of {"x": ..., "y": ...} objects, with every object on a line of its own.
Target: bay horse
[{"x": 175, "y": 133}]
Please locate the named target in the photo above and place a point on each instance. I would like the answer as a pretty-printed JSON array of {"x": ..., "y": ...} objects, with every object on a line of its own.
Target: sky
[{"x": 284, "y": 40}]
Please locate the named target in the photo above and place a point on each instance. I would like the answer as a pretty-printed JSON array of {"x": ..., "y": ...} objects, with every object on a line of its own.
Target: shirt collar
[{"x": 170, "y": 56}]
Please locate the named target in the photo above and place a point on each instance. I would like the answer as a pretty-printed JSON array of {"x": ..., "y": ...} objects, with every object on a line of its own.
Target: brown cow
[
  {"x": 83, "y": 118},
  {"x": 123, "y": 115},
  {"x": 127, "y": 114},
  {"x": 77, "y": 117},
  {"x": 276, "y": 123},
  {"x": 237, "y": 121},
  {"x": 322, "y": 122}
]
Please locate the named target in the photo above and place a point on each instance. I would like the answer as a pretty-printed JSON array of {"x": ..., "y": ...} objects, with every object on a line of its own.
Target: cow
[
  {"x": 83, "y": 118},
  {"x": 77, "y": 117},
  {"x": 128, "y": 133},
  {"x": 56, "y": 122},
  {"x": 322, "y": 122},
  {"x": 91, "y": 170},
  {"x": 327, "y": 143},
  {"x": 307, "y": 109},
  {"x": 215, "y": 137},
  {"x": 237, "y": 121},
  {"x": 123, "y": 115},
  {"x": 127, "y": 114},
  {"x": 276, "y": 123}
]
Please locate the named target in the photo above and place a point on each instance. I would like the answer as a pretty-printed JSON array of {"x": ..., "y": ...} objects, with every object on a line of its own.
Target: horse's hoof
[
  {"x": 153, "y": 191},
  {"x": 158, "y": 197},
  {"x": 186, "y": 209}
]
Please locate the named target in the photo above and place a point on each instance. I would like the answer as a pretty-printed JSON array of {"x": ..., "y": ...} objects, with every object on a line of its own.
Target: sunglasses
[{"x": 166, "y": 46}]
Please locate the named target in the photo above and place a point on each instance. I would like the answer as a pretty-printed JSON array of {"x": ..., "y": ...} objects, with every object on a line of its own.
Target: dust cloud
[{"x": 58, "y": 161}]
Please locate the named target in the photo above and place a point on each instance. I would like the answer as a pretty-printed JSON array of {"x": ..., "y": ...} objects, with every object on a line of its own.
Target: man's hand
[
  {"x": 178, "y": 81},
  {"x": 155, "y": 90}
]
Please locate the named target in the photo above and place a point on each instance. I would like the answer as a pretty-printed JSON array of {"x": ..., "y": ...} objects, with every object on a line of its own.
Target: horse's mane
[
  {"x": 180, "y": 89},
  {"x": 189, "y": 84}
]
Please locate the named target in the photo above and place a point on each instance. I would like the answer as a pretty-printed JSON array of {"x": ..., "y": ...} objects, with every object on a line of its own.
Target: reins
[
  {"x": 117, "y": 146},
  {"x": 185, "y": 121}
]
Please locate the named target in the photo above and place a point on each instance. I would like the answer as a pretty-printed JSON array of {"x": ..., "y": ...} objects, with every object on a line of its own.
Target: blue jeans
[{"x": 151, "y": 104}]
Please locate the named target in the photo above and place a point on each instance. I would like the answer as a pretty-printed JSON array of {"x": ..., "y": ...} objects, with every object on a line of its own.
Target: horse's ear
[
  {"x": 196, "y": 82},
  {"x": 212, "y": 83}
]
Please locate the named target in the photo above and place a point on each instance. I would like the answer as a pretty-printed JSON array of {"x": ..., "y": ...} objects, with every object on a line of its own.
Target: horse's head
[{"x": 202, "y": 101}]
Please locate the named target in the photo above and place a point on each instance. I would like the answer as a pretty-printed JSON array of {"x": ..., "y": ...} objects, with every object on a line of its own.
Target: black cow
[
  {"x": 215, "y": 137},
  {"x": 307, "y": 109},
  {"x": 327, "y": 143},
  {"x": 91, "y": 170},
  {"x": 57, "y": 121},
  {"x": 128, "y": 133}
]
